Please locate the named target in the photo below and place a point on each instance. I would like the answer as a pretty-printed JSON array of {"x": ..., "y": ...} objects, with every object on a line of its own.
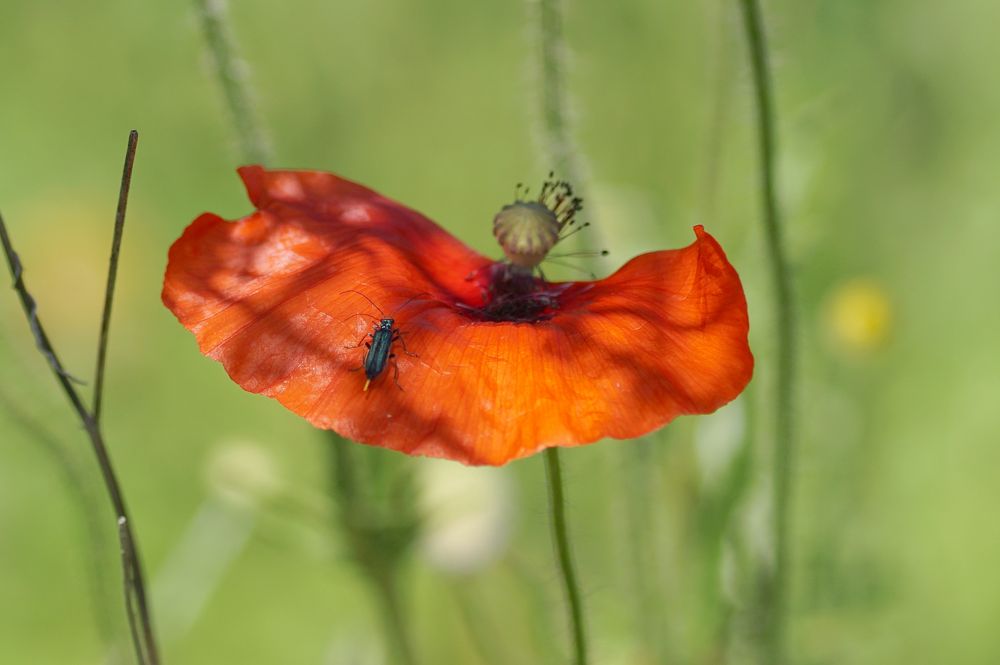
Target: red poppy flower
[{"x": 486, "y": 367}]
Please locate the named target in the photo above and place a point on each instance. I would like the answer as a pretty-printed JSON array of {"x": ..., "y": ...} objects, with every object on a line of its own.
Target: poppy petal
[{"x": 284, "y": 300}]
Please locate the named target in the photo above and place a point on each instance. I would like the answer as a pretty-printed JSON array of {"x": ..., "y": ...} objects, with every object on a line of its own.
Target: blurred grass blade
[
  {"x": 650, "y": 615},
  {"x": 564, "y": 158},
  {"x": 558, "y": 148},
  {"x": 774, "y": 594},
  {"x": 379, "y": 531},
  {"x": 84, "y": 499},
  {"x": 490, "y": 645}
]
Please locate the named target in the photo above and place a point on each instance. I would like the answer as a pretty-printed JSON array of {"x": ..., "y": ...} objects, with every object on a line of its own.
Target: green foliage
[{"x": 886, "y": 117}]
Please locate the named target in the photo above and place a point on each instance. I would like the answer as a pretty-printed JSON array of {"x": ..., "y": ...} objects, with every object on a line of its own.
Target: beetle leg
[
  {"x": 395, "y": 373},
  {"x": 399, "y": 337},
  {"x": 354, "y": 346}
]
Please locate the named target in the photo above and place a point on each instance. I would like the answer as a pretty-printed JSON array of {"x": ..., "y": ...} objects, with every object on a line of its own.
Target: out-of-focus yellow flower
[{"x": 858, "y": 315}]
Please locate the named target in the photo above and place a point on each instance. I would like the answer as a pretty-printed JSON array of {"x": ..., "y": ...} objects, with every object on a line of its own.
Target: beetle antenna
[
  {"x": 366, "y": 298},
  {"x": 411, "y": 299},
  {"x": 373, "y": 318}
]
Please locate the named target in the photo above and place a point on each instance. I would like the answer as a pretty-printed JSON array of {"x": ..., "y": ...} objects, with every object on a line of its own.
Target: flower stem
[
  {"x": 775, "y": 589},
  {"x": 560, "y": 536},
  {"x": 231, "y": 75}
]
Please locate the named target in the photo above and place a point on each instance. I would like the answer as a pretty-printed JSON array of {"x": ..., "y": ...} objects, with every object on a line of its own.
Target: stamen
[
  {"x": 583, "y": 254},
  {"x": 566, "y": 264},
  {"x": 574, "y": 231}
]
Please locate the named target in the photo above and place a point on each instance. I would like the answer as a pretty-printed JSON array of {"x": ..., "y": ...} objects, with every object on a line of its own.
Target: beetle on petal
[{"x": 383, "y": 335}]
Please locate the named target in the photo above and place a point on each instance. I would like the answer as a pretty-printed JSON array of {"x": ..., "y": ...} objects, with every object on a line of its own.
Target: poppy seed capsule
[{"x": 526, "y": 230}]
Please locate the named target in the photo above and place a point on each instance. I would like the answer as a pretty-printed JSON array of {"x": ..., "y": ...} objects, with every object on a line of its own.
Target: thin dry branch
[{"x": 137, "y": 607}]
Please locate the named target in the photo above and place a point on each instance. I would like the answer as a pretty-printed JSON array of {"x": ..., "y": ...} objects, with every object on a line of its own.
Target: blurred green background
[{"x": 888, "y": 164}]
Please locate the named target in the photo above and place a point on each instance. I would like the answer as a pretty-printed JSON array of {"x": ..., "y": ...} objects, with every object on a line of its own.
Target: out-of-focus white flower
[
  {"x": 242, "y": 474},
  {"x": 718, "y": 438},
  {"x": 467, "y": 513}
]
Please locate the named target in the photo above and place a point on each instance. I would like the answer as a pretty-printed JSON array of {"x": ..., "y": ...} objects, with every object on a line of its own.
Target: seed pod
[{"x": 526, "y": 230}]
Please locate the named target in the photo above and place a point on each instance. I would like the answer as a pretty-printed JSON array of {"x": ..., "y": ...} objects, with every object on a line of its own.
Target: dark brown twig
[
  {"x": 137, "y": 606},
  {"x": 109, "y": 292}
]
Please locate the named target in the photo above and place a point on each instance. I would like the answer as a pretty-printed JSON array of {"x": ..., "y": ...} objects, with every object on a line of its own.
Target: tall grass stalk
[
  {"x": 558, "y": 143},
  {"x": 232, "y": 75},
  {"x": 559, "y": 151},
  {"x": 774, "y": 591},
  {"x": 372, "y": 542}
]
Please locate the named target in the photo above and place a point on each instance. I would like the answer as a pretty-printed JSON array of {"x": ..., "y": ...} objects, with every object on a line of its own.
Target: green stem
[
  {"x": 560, "y": 537},
  {"x": 376, "y": 561},
  {"x": 231, "y": 74},
  {"x": 775, "y": 589}
]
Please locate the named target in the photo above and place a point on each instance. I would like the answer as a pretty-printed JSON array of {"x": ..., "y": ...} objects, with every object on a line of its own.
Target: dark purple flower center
[{"x": 513, "y": 294}]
